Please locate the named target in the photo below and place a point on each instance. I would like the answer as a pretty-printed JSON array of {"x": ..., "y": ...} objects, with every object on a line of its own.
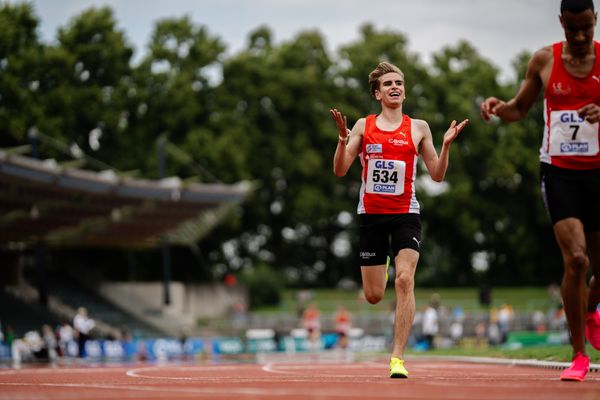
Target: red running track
[{"x": 429, "y": 379}]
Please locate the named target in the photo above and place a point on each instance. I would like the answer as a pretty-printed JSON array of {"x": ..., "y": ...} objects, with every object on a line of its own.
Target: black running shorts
[
  {"x": 571, "y": 193},
  {"x": 378, "y": 231}
]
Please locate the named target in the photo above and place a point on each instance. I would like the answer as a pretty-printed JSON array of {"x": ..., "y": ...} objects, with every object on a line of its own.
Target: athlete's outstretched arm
[
  {"x": 349, "y": 143},
  {"x": 517, "y": 108},
  {"x": 437, "y": 166}
]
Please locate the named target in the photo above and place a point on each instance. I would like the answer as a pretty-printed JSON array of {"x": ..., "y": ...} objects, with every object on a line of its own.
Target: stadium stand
[
  {"x": 75, "y": 295},
  {"x": 23, "y": 316},
  {"x": 46, "y": 206}
]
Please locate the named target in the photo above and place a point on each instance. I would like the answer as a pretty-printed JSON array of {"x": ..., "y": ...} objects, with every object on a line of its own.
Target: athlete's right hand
[
  {"x": 341, "y": 122},
  {"x": 490, "y": 107},
  {"x": 591, "y": 112}
]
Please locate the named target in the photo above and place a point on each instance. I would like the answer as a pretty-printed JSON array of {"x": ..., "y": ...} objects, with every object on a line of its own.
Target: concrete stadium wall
[{"x": 189, "y": 302}]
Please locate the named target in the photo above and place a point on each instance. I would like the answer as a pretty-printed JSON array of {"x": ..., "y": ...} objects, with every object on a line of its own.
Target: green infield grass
[{"x": 545, "y": 353}]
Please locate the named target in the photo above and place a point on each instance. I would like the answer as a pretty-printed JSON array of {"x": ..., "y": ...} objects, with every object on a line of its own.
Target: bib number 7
[{"x": 571, "y": 135}]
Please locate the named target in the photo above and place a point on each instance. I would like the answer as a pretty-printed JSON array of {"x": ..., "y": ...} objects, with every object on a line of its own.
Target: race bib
[
  {"x": 385, "y": 176},
  {"x": 571, "y": 135}
]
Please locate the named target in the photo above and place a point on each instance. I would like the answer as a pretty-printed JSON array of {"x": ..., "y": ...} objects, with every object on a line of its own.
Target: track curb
[{"x": 506, "y": 361}]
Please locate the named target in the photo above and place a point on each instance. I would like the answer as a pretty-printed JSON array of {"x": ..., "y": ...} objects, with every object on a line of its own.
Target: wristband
[{"x": 345, "y": 139}]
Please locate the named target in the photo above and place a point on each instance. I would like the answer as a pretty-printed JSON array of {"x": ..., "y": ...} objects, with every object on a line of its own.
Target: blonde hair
[{"x": 382, "y": 69}]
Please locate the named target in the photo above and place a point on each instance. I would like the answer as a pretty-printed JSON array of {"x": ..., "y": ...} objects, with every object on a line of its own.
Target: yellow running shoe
[{"x": 397, "y": 369}]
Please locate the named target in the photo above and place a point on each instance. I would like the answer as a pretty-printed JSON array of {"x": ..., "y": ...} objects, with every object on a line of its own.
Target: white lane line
[
  {"x": 304, "y": 390},
  {"x": 143, "y": 372},
  {"x": 294, "y": 369}
]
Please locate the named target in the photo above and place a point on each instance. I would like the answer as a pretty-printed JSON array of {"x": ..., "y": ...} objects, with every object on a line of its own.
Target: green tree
[
  {"x": 273, "y": 104},
  {"x": 19, "y": 65},
  {"x": 81, "y": 96},
  {"x": 262, "y": 115},
  {"x": 174, "y": 92},
  {"x": 493, "y": 202}
]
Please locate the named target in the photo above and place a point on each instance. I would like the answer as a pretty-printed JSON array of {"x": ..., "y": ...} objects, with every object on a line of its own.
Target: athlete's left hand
[
  {"x": 453, "y": 131},
  {"x": 590, "y": 112}
]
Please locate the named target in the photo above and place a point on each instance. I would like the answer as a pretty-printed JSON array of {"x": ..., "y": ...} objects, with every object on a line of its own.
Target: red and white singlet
[
  {"x": 570, "y": 141},
  {"x": 389, "y": 161}
]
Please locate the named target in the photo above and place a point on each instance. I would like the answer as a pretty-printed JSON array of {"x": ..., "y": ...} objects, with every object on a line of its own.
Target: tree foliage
[{"x": 261, "y": 114}]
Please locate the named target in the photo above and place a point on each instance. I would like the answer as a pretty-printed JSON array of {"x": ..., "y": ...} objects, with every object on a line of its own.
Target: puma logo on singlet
[
  {"x": 418, "y": 243},
  {"x": 596, "y": 78},
  {"x": 399, "y": 142}
]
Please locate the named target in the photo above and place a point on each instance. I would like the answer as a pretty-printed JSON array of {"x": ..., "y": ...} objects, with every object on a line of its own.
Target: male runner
[
  {"x": 389, "y": 145},
  {"x": 569, "y": 73}
]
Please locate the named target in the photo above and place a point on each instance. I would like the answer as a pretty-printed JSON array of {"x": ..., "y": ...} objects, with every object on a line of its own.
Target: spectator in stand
[
  {"x": 311, "y": 321},
  {"x": 311, "y": 317},
  {"x": 65, "y": 336},
  {"x": 83, "y": 328},
  {"x": 480, "y": 334},
  {"x": 29, "y": 348},
  {"x": 456, "y": 332},
  {"x": 239, "y": 316},
  {"x": 9, "y": 335},
  {"x": 343, "y": 323},
  {"x": 557, "y": 319},
  {"x": 493, "y": 331},
  {"x": 493, "y": 334},
  {"x": 50, "y": 342},
  {"x": 505, "y": 318},
  {"x": 538, "y": 320},
  {"x": 457, "y": 327},
  {"x": 431, "y": 321}
]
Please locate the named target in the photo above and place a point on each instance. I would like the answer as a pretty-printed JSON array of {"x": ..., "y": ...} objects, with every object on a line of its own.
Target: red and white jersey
[
  {"x": 570, "y": 141},
  {"x": 389, "y": 161}
]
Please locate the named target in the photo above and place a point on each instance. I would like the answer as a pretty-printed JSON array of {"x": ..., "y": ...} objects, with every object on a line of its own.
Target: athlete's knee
[
  {"x": 404, "y": 281},
  {"x": 373, "y": 296},
  {"x": 577, "y": 262}
]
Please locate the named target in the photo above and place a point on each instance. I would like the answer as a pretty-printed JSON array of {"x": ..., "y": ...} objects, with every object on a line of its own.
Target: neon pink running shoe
[
  {"x": 592, "y": 329},
  {"x": 578, "y": 369}
]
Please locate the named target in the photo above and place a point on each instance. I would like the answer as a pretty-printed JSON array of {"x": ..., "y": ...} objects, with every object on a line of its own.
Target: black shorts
[
  {"x": 378, "y": 231},
  {"x": 572, "y": 194}
]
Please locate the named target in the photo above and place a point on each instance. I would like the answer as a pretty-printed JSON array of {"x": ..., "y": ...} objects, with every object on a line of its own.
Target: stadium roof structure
[{"x": 41, "y": 201}]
